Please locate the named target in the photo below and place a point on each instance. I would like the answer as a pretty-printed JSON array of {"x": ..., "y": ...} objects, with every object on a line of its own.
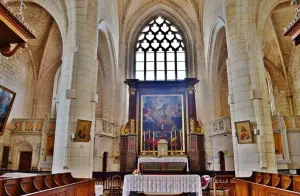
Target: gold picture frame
[
  {"x": 7, "y": 98},
  {"x": 83, "y": 131},
  {"x": 244, "y": 132},
  {"x": 149, "y": 140}
]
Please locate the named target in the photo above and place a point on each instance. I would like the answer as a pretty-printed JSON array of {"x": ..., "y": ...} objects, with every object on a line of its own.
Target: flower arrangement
[{"x": 136, "y": 172}]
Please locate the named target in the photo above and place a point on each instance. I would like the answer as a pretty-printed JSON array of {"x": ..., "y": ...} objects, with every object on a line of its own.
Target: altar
[
  {"x": 162, "y": 184},
  {"x": 163, "y": 164},
  {"x": 162, "y": 122}
]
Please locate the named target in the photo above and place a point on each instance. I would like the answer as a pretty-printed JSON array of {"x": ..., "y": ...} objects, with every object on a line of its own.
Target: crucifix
[{"x": 21, "y": 7}]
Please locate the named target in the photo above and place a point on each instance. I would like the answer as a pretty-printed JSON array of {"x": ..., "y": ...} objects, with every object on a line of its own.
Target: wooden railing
[
  {"x": 51, "y": 184},
  {"x": 224, "y": 183},
  {"x": 265, "y": 184},
  {"x": 111, "y": 183}
]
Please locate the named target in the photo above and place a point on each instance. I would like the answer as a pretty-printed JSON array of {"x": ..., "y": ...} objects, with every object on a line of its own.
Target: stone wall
[{"x": 16, "y": 74}]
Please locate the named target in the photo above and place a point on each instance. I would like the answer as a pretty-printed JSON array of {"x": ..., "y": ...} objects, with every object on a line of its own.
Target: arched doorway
[
  {"x": 222, "y": 161},
  {"x": 104, "y": 163}
]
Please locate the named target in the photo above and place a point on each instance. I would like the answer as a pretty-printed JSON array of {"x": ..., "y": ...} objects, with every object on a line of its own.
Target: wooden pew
[
  {"x": 39, "y": 183},
  {"x": 12, "y": 187},
  {"x": 286, "y": 182},
  {"x": 27, "y": 185},
  {"x": 82, "y": 188},
  {"x": 266, "y": 179},
  {"x": 48, "y": 185},
  {"x": 49, "y": 181},
  {"x": 258, "y": 178},
  {"x": 247, "y": 188},
  {"x": 58, "y": 180},
  {"x": 296, "y": 183},
  {"x": 275, "y": 181}
]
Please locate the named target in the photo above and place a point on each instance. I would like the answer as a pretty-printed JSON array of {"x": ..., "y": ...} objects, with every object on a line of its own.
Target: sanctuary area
[{"x": 150, "y": 97}]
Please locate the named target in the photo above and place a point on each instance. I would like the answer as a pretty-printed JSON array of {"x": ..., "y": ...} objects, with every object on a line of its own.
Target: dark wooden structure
[
  {"x": 13, "y": 30},
  {"x": 51, "y": 184},
  {"x": 266, "y": 184},
  {"x": 130, "y": 147},
  {"x": 293, "y": 29}
]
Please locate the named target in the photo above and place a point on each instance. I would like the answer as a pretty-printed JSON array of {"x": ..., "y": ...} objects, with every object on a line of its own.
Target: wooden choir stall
[{"x": 162, "y": 133}]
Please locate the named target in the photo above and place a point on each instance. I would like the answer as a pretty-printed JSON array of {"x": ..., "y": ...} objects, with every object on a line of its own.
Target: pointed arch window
[{"x": 160, "y": 52}]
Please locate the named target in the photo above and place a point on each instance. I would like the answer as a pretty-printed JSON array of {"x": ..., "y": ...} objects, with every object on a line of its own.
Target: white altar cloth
[
  {"x": 162, "y": 184},
  {"x": 164, "y": 160}
]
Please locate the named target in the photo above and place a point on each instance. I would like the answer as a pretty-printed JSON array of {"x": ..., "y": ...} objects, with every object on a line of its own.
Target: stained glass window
[{"x": 160, "y": 52}]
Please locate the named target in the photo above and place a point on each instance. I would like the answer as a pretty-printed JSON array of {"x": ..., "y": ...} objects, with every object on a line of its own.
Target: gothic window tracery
[{"x": 160, "y": 52}]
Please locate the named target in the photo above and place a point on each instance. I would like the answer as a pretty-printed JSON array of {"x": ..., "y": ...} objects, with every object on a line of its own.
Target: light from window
[{"x": 160, "y": 52}]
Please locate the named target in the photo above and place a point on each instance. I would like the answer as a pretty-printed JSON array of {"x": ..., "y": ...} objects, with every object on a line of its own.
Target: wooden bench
[
  {"x": 268, "y": 184},
  {"x": 52, "y": 184}
]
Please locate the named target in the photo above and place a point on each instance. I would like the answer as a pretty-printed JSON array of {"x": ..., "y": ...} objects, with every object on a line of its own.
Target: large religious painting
[
  {"x": 83, "y": 131},
  {"x": 162, "y": 120},
  {"x": 244, "y": 134},
  {"x": 7, "y": 98}
]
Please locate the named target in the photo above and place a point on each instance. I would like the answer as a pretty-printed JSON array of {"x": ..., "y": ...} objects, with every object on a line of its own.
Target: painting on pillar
[
  {"x": 244, "y": 133},
  {"x": 83, "y": 131},
  {"x": 7, "y": 98},
  {"x": 162, "y": 119}
]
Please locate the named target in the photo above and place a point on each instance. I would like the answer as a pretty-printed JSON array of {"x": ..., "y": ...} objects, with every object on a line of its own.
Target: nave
[{"x": 149, "y": 97}]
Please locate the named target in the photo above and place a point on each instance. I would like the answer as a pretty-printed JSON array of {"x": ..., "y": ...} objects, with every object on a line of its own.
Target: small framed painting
[
  {"x": 7, "y": 98},
  {"x": 83, "y": 130},
  {"x": 244, "y": 133}
]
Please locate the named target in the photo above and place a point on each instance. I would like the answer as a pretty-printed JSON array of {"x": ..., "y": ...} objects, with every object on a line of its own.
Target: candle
[
  {"x": 153, "y": 137},
  {"x": 144, "y": 136},
  {"x": 149, "y": 135},
  {"x": 171, "y": 138}
]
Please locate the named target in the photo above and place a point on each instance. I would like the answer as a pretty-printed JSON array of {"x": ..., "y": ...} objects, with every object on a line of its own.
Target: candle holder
[
  {"x": 172, "y": 150},
  {"x": 144, "y": 151},
  {"x": 148, "y": 146},
  {"x": 181, "y": 149}
]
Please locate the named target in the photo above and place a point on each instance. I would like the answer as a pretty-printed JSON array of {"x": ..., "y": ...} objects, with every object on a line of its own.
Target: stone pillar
[
  {"x": 77, "y": 93},
  {"x": 248, "y": 94},
  {"x": 196, "y": 153},
  {"x": 129, "y": 138}
]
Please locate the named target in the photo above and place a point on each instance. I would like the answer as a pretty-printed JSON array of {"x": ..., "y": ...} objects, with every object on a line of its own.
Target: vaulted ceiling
[
  {"x": 46, "y": 49},
  {"x": 277, "y": 49}
]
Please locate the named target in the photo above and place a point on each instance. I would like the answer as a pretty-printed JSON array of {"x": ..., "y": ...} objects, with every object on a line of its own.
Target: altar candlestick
[
  {"x": 171, "y": 138},
  {"x": 153, "y": 137},
  {"x": 180, "y": 137},
  {"x": 149, "y": 134},
  {"x": 144, "y": 136}
]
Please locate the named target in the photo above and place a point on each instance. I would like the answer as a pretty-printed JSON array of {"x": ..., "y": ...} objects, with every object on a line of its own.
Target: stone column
[
  {"x": 77, "y": 93},
  {"x": 248, "y": 95}
]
